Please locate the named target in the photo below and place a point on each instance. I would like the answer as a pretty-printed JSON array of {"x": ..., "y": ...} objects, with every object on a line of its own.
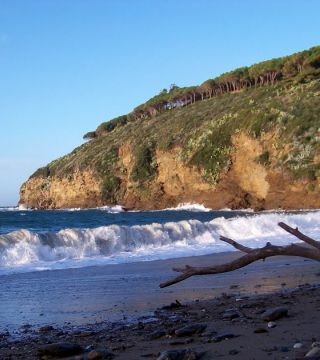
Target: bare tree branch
[
  {"x": 295, "y": 232},
  {"x": 236, "y": 245},
  {"x": 251, "y": 256}
]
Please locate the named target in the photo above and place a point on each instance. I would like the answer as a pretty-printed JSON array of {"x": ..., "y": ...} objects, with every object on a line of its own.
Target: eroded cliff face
[
  {"x": 246, "y": 183},
  {"x": 250, "y": 184},
  {"x": 81, "y": 189}
]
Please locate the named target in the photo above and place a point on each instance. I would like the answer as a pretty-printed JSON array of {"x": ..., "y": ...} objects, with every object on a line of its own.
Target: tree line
[{"x": 299, "y": 66}]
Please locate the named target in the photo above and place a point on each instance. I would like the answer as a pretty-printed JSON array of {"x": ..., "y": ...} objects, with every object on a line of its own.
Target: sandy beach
[{"x": 93, "y": 308}]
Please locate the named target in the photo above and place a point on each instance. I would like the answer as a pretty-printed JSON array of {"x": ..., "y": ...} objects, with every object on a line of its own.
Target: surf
[{"x": 25, "y": 250}]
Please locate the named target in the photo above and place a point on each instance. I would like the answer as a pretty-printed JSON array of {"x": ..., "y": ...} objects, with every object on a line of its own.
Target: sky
[{"x": 68, "y": 65}]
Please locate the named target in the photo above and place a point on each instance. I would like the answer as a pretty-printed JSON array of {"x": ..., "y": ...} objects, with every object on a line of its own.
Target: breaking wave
[
  {"x": 110, "y": 209},
  {"x": 194, "y": 207},
  {"x": 24, "y": 250},
  {"x": 189, "y": 207},
  {"x": 14, "y": 208}
]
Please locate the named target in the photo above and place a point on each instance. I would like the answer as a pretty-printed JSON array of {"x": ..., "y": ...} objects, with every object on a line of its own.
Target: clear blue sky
[{"x": 68, "y": 65}]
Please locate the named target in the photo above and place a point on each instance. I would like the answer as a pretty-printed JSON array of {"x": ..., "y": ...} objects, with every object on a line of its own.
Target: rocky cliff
[{"x": 256, "y": 147}]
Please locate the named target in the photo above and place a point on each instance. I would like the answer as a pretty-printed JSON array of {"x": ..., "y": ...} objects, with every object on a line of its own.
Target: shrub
[
  {"x": 110, "y": 186},
  {"x": 264, "y": 158},
  {"x": 144, "y": 168},
  {"x": 89, "y": 135}
]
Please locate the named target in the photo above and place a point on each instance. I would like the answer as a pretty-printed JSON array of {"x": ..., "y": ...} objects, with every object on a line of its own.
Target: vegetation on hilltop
[{"x": 296, "y": 68}]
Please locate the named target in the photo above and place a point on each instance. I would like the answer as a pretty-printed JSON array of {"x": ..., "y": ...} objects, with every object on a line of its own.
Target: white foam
[
  {"x": 248, "y": 210},
  {"x": 110, "y": 209},
  {"x": 21, "y": 207},
  {"x": 24, "y": 250},
  {"x": 189, "y": 207}
]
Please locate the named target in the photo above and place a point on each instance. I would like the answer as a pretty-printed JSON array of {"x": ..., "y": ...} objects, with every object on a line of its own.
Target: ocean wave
[
  {"x": 21, "y": 207},
  {"x": 117, "y": 244},
  {"x": 9, "y": 208}
]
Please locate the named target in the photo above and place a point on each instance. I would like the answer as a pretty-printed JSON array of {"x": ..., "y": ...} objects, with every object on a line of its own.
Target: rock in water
[
  {"x": 60, "y": 349},
  {"x": 190, "y": 330},
  {"x": 274, "y": 313}
]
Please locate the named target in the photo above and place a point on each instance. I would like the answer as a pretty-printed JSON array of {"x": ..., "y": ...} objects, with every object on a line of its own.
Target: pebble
[
  {"x": 233, "y": 352},
  {"x": 60, "y": 349},
  {"x": 45, "y": 329},
  {"x": 185, "y": 354},
  {"x": 274, "y": 313},
  {"x": 221, "y": 337},
  {"x": 239, "y": 299},
  {"x": 148, "y": 355},
  {"x": 86, "y": 334},
  {"x": 4, "y": 334},
  {"x": 99, "y": 354},
  {"x": 260, "y": 330},
  {"x": 297, "y": 345},
  {"x": 157, "y": 334},
  {"x": 271, "y": 324},
  {"x": 271, "y": 349},
  {"x": 180, "y": 342},
  {"x": 175, "y": 305},
  {"x": 284, "y": 348},
  {"x": 313, "y": 354},
  {"x": 233, "y": 286},
  {"x": 190, "y": 330},
  {"x": 25, "y": 328},
  {"x": 229, "y": 315}
]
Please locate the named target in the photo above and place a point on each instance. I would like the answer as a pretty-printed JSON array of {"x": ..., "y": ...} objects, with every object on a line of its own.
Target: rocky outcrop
[
  {"x": 246, "y": 184},
  {"x": 81, "y": 189}
]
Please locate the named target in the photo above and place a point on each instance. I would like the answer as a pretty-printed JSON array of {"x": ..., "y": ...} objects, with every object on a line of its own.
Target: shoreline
[
  {"x": 96, "y": 301},
  {"x": 100, "y": 293},
  {"x": 194, "y": 206}
]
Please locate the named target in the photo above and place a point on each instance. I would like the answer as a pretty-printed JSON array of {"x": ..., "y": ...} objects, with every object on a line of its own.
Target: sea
[{"x": 38, "y": 240}]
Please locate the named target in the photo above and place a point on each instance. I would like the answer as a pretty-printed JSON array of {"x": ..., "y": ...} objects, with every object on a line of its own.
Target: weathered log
[
  {"x": 295, "y": 232},
  {"x": 236, "y": 245},
  {"x": 252, "y": 255}
]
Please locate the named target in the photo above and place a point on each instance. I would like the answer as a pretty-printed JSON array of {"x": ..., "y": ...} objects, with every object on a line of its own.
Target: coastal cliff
[{"x": 237, "y": 141}]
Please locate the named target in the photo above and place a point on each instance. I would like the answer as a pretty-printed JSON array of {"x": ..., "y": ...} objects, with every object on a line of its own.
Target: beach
[
  {"x": 160, "y": 188},
  {"x": 93, "y": 307}
]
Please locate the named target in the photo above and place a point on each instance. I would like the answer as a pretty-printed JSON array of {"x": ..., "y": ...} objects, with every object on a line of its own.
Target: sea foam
[{"x": 189, "y": 207}]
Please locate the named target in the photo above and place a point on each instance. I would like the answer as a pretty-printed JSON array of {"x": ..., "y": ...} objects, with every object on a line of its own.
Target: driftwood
[{"x": 312, "y": 251}]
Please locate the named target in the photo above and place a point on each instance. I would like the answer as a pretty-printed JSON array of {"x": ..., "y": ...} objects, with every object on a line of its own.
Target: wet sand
[{"x": 117, "y": 302}]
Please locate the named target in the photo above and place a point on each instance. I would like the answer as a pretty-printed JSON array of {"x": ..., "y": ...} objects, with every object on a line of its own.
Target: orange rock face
[{"x": 245, "y": 184}]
